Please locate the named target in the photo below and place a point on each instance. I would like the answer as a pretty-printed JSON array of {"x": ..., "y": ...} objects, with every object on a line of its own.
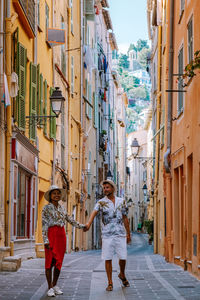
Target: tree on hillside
[
  {"x": 140, "y": 92},
  {"x": 141, "y": 44},
  {"x": 142, "y": 57},
  {"x": 123, "y": 61},
  {"x": 132, "y": 47}
]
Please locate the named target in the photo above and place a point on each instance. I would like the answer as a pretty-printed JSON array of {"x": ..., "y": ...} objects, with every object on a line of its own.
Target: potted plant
[{"x": 149, "y": 228}]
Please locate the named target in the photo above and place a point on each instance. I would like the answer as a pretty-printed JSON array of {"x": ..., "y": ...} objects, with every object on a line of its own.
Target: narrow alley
[{"x": 83, "y": 278}]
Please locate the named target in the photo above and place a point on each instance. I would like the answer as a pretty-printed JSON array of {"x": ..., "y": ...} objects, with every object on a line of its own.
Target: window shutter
[
  {"x": 89, "y": 7},
  {"x": 95, "y": 110},
  {"x": 21, "y": 70},
  {"x": 33, "y": 99},
  {"x": 52, "y": 120},
  {"x": 86, "y": 96},
  {"x": 38, "y": 89},
  {"x": 90, "y": 100},
  {"x": 190, "y": 40},
  {"x": 45, "y": 107},
  {"x": 41, "y": 99}
]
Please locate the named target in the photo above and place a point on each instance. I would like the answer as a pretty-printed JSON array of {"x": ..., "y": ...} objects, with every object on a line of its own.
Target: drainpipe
[
  {"x": 83, "y": 244},
  {"x": 9, "y": 127},
  {"x": 157, "y": 164},
  {"x": 170, "y": 86},
  {"x": 54, "y": 140}
]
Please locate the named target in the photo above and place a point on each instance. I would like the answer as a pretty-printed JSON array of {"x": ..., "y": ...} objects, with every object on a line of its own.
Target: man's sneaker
[
  {"x": 51, "y": 292},
  {"x": 57, "y": 290}
]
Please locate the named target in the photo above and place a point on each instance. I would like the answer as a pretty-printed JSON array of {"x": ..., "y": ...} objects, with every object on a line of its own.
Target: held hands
[
  {"x": 47, "y": 246},
  {"x": 86, "y": 228}
]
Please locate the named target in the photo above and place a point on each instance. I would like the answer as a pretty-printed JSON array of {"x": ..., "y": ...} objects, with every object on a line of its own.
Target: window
[
  {"x": 89, "y": 98},
  {"x": 33, "y": 99},
  {"x": 95, "y": 98},
  {"x": 38, "y": 12},
  {"x": 182, "y": 6},
  {"x": 23, "y": 204},
  {"x": 190, "y": 40},
  {"x": 28, "y": 7},
  {"x": 88, "y": 35},
  {"x": 21, "y": 71},
  {"x": 47, "y": 15},
  {"x": 180, "y": 81},
  {"x": 63, "y": 56},
  {"x": 71, "y": 6},
  {"x": 41, "y": 97}
]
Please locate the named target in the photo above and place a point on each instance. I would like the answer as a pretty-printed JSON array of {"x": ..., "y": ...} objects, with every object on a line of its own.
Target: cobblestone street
[{"x": 83, "y": 278}]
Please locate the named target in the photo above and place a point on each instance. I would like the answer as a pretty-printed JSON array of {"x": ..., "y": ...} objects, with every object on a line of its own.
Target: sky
[{"x": 129, "y": 20}]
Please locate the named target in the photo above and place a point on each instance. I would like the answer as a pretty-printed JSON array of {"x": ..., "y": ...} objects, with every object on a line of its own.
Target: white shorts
[{"x": 112, "y": 245}]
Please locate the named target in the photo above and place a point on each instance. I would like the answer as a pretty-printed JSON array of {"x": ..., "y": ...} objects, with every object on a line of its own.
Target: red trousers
[{"x": 57, "y": 243}]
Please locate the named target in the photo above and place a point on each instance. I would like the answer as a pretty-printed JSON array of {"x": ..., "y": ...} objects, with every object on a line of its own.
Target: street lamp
[
  {"x": 144, "y": 189},
  {"x": 135, "y": 150},
  {"x": 135, "y": 147},
  {"x": 56, "y": 100}
]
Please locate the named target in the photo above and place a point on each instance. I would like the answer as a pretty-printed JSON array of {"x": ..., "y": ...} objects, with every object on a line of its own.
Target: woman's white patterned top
[{"x": 55, "y": 216}]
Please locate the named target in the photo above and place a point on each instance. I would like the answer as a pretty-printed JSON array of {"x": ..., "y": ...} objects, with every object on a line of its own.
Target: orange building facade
[{"x": 182, "y": 143}]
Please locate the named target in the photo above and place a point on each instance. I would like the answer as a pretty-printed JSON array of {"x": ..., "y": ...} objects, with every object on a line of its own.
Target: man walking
[{"x": 115, "y": 230}]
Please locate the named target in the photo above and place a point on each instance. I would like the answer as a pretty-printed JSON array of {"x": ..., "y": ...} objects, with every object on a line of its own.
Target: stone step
[{"x": 11, "y": 263}]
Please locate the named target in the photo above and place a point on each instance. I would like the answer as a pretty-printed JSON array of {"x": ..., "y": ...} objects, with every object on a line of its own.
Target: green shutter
[
  {"x": 21, "y": 70},
  {"x": 52, "y": 120},
  {"x": 38, "y": 89},
  {"x": 45, "y": 107},
  {"x": 96, "y": 114},
  {"x": 90, "y": 100},
  {"x": 33, "y": 100},
  {"x": 41, "y": 113}
]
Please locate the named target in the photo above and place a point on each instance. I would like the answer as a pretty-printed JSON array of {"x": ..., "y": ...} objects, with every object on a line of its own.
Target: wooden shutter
[
  {"x": 45, "y": 107},
  {"x": 90, "y": 100},
  {"x": 52, "y": 120},
  {"x": 89, "y": 7},
  {"x": 190, "y": 40},
  {"x": 86, "y": 96},
  {"x": 38, "y": 89},
  {"x": 95, "y": 97},
  {"x": 33, "y": 100},
  {"x": 41, "y": 113},
  {"x": 21, "y": 70}
]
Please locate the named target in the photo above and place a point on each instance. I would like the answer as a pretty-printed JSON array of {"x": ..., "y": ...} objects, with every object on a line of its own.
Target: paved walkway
[{"x": 83, "y": 278}]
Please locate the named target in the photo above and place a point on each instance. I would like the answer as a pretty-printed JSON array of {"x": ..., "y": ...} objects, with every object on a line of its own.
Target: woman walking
[{"x": 53, "y": 231}]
